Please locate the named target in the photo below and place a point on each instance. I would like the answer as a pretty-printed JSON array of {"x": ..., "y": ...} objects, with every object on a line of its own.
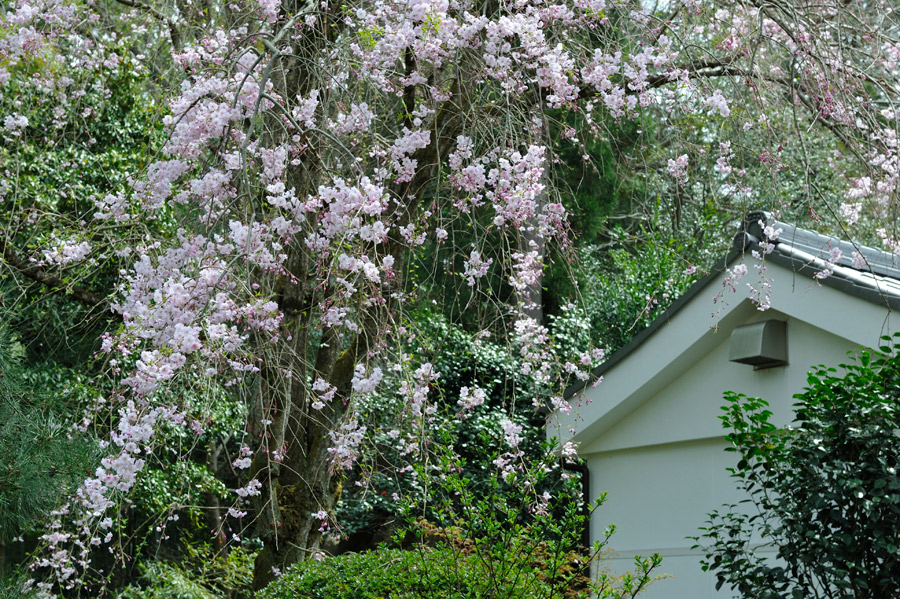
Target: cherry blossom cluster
[{"x": 345, "y": 442}]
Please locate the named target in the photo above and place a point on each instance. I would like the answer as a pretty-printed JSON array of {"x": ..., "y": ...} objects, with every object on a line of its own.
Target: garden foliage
[
  {"x": 41, "y": 460},
  {"x": 516, "y": 536},
  {"x": 254, "y": 202}
]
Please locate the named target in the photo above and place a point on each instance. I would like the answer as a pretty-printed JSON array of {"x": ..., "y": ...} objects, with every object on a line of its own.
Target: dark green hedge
[{"x": 444, "y": 573}]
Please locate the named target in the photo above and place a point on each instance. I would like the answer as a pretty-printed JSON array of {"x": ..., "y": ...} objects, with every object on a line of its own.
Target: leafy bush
[
  {"x": 456, "y": 568},
  {"x": 202, "y": 575},
  {"x": 514, "y": 533},
  {"x": 825, "y": 492},
  {"x": 400, "y": 574},
  {"x": 630, "y": 280},
  {"x": 463, "y": 361}
]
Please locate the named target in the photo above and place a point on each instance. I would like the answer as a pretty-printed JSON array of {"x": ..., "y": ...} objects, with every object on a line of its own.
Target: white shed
[{"x": 650, "y": 431}]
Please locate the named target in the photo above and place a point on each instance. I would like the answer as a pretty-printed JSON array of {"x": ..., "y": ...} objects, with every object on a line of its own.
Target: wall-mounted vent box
[{"x": 761, "y": 344}]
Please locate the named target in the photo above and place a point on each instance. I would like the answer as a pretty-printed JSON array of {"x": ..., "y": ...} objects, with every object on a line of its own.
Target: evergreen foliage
[{"x": 43, "y": 458}]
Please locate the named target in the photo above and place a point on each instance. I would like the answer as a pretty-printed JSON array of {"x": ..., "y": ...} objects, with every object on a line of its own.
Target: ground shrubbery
[
  {"x": 402, "y": 574},
  {"x": 198, "y": 573},
  {"x": 499, "y": 536},
  {"x": 450, "y": 570}
]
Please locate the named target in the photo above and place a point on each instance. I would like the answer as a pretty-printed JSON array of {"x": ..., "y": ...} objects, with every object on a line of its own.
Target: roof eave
[{"x": 873, "y": 289}]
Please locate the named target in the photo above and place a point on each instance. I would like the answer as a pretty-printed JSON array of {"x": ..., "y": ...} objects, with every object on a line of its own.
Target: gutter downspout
[{"x": 582, "y": 469}]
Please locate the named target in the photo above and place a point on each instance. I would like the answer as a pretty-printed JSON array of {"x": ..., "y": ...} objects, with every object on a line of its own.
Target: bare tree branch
[
  {"x": 36, "y": 273},
  {"x": 174, "y": 34}
]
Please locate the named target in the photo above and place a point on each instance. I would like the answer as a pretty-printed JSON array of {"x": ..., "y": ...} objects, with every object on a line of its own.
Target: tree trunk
[{"x": 305, "y": 482}]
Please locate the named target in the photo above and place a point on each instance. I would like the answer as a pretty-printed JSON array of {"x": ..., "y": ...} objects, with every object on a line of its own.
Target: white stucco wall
[
  {"x": 657, "y": 497},
  {"x": 664, "y": 465}
]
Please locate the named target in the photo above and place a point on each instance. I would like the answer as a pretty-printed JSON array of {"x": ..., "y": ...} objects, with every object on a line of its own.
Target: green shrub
[
  {"x": 496, "y": 538},
  {"x": 823, "y": 494},
  {"x": 200, "y": 574},
  {"x": 166, "y": 581},
  {"x": 443, "y": 572}
]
